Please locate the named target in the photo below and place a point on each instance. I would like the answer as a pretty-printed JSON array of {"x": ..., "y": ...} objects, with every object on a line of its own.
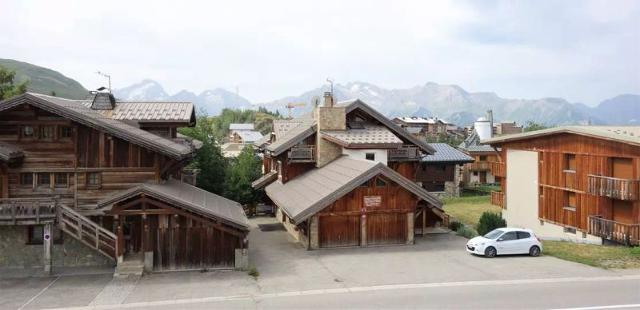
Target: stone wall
[
  {"x": 16, "y": 253},
  {"x": 329, "y": 118}
]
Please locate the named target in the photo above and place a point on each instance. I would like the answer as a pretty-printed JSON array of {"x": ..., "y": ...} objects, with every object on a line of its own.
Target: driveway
[{"x": 286, "y": 267}]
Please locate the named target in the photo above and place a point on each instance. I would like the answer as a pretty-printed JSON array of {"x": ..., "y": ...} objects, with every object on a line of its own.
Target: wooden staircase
[{"x": 88, "y": 232}]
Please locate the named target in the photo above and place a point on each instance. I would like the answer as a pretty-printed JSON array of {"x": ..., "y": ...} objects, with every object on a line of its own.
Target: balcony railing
[
  {"x": 616, "y": 188},
  {"x": 570, "y": 179},
  {"x": 498, "y": 169},
  {"x": 302, "y": 154},
  {"x": 27, "y": 211},
  {"x": 628, "y": 234},
  {"x": 479, "y": 166},
  {"x": 404, "y": 153},
  {"x": 497, "y": 199}
]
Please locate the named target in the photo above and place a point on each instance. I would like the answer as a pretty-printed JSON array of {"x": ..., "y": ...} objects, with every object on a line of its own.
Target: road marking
[
  {"x": 39, "y": 293},
  {"x": 362, "y": 289},
  {"x": 604, "y": 307}
]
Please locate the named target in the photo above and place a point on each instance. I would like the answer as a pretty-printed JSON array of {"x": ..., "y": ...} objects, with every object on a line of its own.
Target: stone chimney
[{"x": 328, "y": 117}]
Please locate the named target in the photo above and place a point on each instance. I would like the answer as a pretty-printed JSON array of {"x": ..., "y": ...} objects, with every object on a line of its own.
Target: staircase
[
  {"x": 87, "y": 231},
  {"x": 131, "y": 265}
]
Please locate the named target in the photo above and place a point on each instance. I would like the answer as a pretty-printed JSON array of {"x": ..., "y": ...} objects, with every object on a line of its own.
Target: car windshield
[{"x": 494, "y": 234}]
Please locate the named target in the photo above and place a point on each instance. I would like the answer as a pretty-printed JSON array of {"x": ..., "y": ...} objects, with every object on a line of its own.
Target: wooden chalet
[
  {"x": 441, "y": 173},
  {"x": 578, "y": 182},
  {"x": 103, "y": 177},
  {"x": 346, "y": 176}
]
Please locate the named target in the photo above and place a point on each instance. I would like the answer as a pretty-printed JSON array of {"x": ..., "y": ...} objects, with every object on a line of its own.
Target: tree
[
  {"x": 243, "y": 170},
  {"x": 8, "y": 88},
  {"x": 533, "y": 126},
  {"x": 490, "y": 221}
]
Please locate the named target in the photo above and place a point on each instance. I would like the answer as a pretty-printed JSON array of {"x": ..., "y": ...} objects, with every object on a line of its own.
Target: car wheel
[
  {"x": 490, "y": 252},
  {"x": 534, "y": 251}
]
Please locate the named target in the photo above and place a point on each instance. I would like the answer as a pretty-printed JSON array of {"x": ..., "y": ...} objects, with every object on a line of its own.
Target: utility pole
[{"x": 107, "y": 76}]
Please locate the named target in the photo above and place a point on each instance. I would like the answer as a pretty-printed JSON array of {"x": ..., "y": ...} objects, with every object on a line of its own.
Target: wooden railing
[
  {"x": 498, "y": 169},
  {"x": 479, "y": 166},
  {"x": 27, "y": 211},
  {"x": 406, "y": 152},
  {"x": 628, "y": 234},
  {"x": 87, "y": 231},
  {"x": 622, "y": 189},
  {"x": 497, "y": 198},
  {"x": 302, "y": 154},
  {"x": 570, "y": 179}
]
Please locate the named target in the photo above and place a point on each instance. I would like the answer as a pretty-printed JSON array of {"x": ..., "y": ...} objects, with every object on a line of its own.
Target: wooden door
[
  {"x": 622, "y": 168},
  {"x": 622, "y": 211},
  {"x": 483, "y": 177},
  {"x": 339, "y": 231},
  {"x": 386, "y": 228}
]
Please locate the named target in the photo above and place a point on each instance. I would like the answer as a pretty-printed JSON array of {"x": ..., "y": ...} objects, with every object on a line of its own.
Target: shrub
[
  {"x": 254, "y": 272},
  {"x": 455, "y": 225},
  {"x": 466, "y": 232},
  {"x": 490, "y": 221}
]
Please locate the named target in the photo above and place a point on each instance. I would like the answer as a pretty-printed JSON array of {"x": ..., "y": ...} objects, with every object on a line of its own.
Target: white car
[{"x": 505, "y": 240}]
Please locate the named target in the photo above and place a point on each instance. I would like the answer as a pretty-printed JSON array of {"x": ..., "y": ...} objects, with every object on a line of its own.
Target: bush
[
  {"x": 490, "y": 221},
  {"x": 466, "y": 232},
  {"x": 455, "y": 225},
  {"x": 253, "y": 272}
]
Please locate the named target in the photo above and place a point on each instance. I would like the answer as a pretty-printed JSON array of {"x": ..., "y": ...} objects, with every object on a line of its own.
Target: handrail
[
  {"x": 87, "y": 231},
  {"x": 616, "y": 188},
  {"x": 27, "y": 211},
  {"x": 628, "y": 234}
]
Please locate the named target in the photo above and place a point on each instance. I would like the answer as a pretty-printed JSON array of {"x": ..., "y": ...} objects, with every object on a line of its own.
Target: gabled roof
[
  {"x": 305, "y": 129},
  {"x": 76, "y": 111},
  {"x": 446, "y": 153},
  {"x": 367, "y": 137},
  {"x": 352, "y": 105},
  {"x": 189, "y": 197},
  {"x": 249, "y": 136},
  {"x": 241, "y": 126},
  {"x": 154, "y": 112},
  {"x": 623, "y": 134},
  {"x": 316, "y": 189},
  {"x": 10, "y": 152},
  {"x": 472, "y": 144}
]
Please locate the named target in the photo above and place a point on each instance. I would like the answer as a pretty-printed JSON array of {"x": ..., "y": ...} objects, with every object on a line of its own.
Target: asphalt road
[{"x": 563, "y": 293}]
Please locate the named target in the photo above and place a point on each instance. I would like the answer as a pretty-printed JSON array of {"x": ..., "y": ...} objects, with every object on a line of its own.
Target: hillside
[{"x": 45, "y": 81}]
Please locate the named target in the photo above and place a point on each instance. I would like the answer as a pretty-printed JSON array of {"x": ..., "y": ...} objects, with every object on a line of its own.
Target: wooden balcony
[
  {"x": 628, "y": 234},
  {"x": 27, "y": 211},
  {"x": 497, "y": 199},
  {"x": 615, "y": 188},
  {"x": 570, "y": 179},
  {"x": 479, "y": 166},
  {"x": 404, "y": 153},
  {"x": 498, "y": 169},
  {"x": 302, "y": 154}
]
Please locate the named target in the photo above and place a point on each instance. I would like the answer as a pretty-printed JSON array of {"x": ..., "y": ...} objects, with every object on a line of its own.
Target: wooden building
[
  {"x": 102, "y": 171},
  {"x": 578, "y": 182},
  {"x": 346, "y": 177},
  {"x": 441, "y": 173}
]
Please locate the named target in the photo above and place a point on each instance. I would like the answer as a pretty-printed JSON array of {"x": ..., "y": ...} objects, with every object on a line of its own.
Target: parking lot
[{"x": 284, "y": 266}]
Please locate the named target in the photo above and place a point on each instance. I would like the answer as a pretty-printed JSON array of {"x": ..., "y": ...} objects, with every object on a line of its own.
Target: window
[
  {"x": 482, "y": 158},
  {"x": 26, "y": 179},
  {"x": 44, "y": 179},
  {"x": 35, "y": 235},
  {"x": 523, "y": 235},
  {"x": 66, "y": 132},
  {"x": 475, "y": 173},
  {"x": 380, "y": 182},
  {"x": 570, "y": 162},
  {"x": 27, "y": 131},
  {"x": 370, "y": 156},
  {"x": 365, "y": 184},
  {"x": 570, "y": 230},
  {"x": 509, "y": 236},
  {"x": 93, "y": 179},
  {"x": 570, "y": 201},
  {"x": 46, "y": 132},
  {"x": 61, "y": 180}
]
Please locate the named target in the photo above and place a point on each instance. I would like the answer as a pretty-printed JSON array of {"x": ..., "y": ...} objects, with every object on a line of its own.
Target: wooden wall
[{"x": 433, "y": 176}]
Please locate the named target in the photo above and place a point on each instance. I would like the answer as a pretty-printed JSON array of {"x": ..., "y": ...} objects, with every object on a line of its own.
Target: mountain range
[{"x": 448, "y": 102}]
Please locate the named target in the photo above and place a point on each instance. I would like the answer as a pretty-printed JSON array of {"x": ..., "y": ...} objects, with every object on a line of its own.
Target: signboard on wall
[{"x": 372, "y": 201}]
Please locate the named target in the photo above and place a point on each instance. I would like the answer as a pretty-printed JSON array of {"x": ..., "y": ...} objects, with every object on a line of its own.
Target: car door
[
  {"x": 507, "y": 243},
  {"x": 524, "y": 242}
]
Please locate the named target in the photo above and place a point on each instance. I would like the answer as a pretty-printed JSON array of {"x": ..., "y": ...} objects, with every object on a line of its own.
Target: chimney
[
  {"x": 490, "y": 118},
  {"x": 328, "y": 99}
]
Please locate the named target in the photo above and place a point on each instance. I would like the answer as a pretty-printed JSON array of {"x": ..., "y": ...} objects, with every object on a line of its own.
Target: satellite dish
[{"x": 315, "y": 101}]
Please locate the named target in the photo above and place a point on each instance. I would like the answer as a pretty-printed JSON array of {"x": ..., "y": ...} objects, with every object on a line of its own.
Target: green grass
[
  {"x": 468, "y": 210},
  {"x": 594, "y": 255}
]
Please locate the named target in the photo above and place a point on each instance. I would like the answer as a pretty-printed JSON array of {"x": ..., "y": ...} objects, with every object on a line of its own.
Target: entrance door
[
  {"x": 339, "y": 231},
  {"x": 483, "y": 177},
  {"x": 132, "y": 231},
  {"x": 386, "y": 228}
]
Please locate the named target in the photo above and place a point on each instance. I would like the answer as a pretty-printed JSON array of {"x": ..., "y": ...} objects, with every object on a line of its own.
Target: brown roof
[
  {"x": 624, "y": 134},
  {"x": 367, "y": 137},
  {"x": 10, "y": 152},
  {"x": 149, "y": 112},
  {"x": 305, "y": 129},
  {"x": 311, "y": 192},
  {"x": 76, "y": 111},
  {"x": 185, "y": 196},
  {"x": 265, "y": 180}
]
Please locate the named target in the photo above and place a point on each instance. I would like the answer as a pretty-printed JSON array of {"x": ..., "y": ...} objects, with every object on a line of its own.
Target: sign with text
[{"x": 372, "y": 201}]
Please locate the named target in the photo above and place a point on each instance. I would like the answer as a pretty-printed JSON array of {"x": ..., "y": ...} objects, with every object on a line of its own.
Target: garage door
[
  {"x": 386, "y": 228},
  {"x": 339, "y": 231}
]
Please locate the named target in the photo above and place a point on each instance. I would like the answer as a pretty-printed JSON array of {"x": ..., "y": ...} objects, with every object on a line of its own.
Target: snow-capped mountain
[{"x": 209, "y": 101}]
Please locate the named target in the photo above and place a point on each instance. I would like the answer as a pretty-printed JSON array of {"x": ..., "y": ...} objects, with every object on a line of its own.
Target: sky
[{"x": 583, "y": 51}]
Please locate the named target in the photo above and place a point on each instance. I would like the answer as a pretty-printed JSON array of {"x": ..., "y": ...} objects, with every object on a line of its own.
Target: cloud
[{"x": 582, "y": 50}]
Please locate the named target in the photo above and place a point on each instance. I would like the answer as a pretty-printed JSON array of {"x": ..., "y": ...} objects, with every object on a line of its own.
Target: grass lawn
[
  {"x": 594, "y": 255},
  {"x": 468, "y": 210}
]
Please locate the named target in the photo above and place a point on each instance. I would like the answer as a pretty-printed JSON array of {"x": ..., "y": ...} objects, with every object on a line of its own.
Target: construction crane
[{"x": 291, "y": 105}]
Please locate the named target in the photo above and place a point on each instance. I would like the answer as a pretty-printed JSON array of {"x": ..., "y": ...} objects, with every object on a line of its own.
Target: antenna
[
  {"x": 107, "y": 76},
  {"x": 331, "y": 85}
]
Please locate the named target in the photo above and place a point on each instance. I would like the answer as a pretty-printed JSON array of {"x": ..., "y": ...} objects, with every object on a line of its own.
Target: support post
[
  {"x": 424, "y": 220},
  {"x": 363, "y": 230},
  {"x": 410, "y": 232},
  {"x": 47, "y": 238},
  {"x": 313, "y": 233}
]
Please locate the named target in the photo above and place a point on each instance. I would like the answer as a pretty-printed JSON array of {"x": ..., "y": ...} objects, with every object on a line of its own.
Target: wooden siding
[{"x": 433, "y": 176}]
